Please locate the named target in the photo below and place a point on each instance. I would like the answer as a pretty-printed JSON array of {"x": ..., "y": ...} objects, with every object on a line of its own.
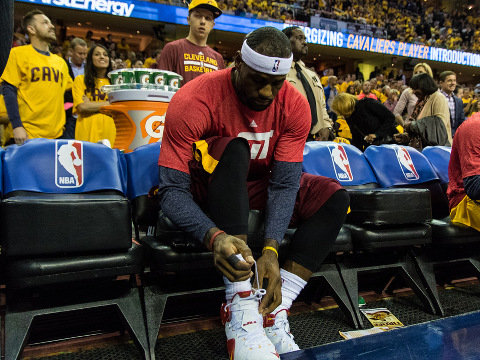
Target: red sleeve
[
  {"x": 298, "y": 117},
  {"x": 168, "y": 58},
  {"x": 182, "y": 128},
  {"x": 469, "y": 150}
]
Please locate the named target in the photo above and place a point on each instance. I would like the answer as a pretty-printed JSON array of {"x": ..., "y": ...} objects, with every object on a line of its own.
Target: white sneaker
[
  {"x": 246, "y": 339},
  {"x": 277, "y": 330}
]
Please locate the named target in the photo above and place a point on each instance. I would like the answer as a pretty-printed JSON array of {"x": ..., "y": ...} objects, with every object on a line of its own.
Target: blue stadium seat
[
  {"x": 450, "y": 244},
  {"x": 67, "y": 236},
  {"x": 439, "y": 157},
  {"x": 405, "y": 167},
  {"x": 384, "y": 223}
]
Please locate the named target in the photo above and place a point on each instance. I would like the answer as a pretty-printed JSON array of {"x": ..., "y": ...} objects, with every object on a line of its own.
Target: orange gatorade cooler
[{"x": 139, "y": 115}]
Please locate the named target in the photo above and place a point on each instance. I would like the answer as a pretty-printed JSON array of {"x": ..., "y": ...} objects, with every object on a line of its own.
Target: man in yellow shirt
[{"x": 34, "y": 82}]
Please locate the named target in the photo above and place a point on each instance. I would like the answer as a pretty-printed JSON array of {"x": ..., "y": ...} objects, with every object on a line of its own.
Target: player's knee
[{"x": 237, "y": 155}]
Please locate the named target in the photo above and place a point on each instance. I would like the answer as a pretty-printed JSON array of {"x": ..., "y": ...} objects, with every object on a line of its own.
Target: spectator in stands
[
  {"x": 152, "y": 62},
  {"x": 76, "y": 62},
  {"x": 366, "y": 91},
  {"x": 307, "y": 82},
  {"x": 406, "y": 102},
  {"x": 191, "y": 57},
  {"x": 464, "y": 174},
  {"x": 448, "y": 83},
  {"x": 138, "y": 63},
  {"x": 34, "y": 83},
  {"x": 370, "y": 122},
  {"x": 429, "y": 123},
  {"x": 111, "y": 45},
  {"x": 123, "y": 47},
  {"x": 239, "y": 176},
  {"x": 351, "y": 90},
  {"x": 76, "y": 66},
  {"x": 331, "y": 91},
  {"x": 88, "y": 39},
  {"x": 392, "y": 99},
  {"x": 88, "y": 98}
]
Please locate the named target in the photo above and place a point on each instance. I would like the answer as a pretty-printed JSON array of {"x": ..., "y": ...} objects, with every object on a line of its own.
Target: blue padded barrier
[
  {"x": 142, "y": 165},
  {"x": 439, "y": 157},
  {"x": 342, "y": 162},
  {"x": 396, "y": 165},
  {"x": 63, "y": 167}
]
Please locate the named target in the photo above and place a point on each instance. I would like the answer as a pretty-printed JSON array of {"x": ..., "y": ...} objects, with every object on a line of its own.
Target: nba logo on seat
[
  {"x": 68, "y": 163},
  {"x": 406, "y": 163},
  {"x": 340, "y": 163}
]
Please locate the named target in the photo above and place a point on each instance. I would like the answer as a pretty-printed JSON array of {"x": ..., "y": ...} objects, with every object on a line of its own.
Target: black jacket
[{"x": 371, "y": 117}]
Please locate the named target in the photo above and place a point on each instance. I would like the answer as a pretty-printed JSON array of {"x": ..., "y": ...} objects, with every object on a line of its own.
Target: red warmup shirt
[
  {"x": 209, "y": 106},
  {"x": 464, "y": 159},
  {"x": 189, "y": 60}
]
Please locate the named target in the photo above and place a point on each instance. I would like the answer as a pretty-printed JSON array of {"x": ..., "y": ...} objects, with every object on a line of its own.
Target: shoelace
[{"x": 257, "y": 294}]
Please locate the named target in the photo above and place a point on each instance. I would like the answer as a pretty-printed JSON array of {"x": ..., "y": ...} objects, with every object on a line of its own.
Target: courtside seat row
[{"x": 66, "y": 227}]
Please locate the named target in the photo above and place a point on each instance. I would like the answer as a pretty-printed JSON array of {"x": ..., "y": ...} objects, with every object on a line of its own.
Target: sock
[
  {"x": 231, "y": 288},
  {"x": 292, "y": 285}
]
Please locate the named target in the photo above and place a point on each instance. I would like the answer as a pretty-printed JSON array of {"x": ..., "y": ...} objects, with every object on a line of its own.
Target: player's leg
[
  {"x": 228, "y": 206},
  {"x": 320, "y": 212}
]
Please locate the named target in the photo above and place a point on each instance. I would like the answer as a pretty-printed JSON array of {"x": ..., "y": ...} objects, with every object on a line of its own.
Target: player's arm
[
  {"x": 472, "y": 186},
  {"x": 176, "y": 202},
  {"x": 11, "y": 103},
  {"x": 282, "y": 191}
]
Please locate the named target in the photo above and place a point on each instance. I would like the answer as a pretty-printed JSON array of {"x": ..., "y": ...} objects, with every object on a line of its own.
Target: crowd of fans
[{"x": 413, "y": 21}]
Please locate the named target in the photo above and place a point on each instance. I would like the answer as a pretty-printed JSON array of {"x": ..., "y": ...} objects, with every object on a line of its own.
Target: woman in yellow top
[{"x": 88, "y": 98}]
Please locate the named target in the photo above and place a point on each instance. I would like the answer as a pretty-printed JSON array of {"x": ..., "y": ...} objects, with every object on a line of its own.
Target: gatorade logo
[
  {"x": 153, "y": 126},
  {"x": 145, "y": 79},
  {"x": 159, "y": 80},
  {"x": 174, "y": 83}
]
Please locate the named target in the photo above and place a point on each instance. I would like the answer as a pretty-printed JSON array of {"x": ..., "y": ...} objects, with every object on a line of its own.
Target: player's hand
[
  {"x": 268, "y": 268},
  {"x": 225, "y": 248},
  {"x": 20, "y": 135},
  {"x": 85, "y": 99}
]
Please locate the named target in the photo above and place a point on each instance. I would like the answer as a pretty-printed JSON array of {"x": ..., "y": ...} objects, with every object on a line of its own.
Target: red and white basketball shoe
[
  {"x": 246, "y": 339},
  {"x": 277, "y": 330}
]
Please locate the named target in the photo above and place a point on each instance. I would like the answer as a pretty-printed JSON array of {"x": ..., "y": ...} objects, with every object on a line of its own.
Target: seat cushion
[
  {"x": 39, "y": 271},
  {"x": 446, "y": 233},
  {"x": 145, "y": 210},
  {"x": 175, "y": 250},
  {"x": 50, "y": 224},
  {"x": 371, "y": 238},
  {"x": 383, "y": 207}
]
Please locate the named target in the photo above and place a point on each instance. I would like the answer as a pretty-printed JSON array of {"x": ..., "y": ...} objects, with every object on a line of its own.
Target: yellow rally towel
[{"x": 467, "y": 212}]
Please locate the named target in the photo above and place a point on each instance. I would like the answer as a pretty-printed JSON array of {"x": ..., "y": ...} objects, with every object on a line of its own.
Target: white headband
[{"x": 265, "y": 64}]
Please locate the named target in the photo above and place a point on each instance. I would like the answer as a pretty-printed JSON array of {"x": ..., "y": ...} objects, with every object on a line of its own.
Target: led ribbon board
[{"x": 178, "y": 15}]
